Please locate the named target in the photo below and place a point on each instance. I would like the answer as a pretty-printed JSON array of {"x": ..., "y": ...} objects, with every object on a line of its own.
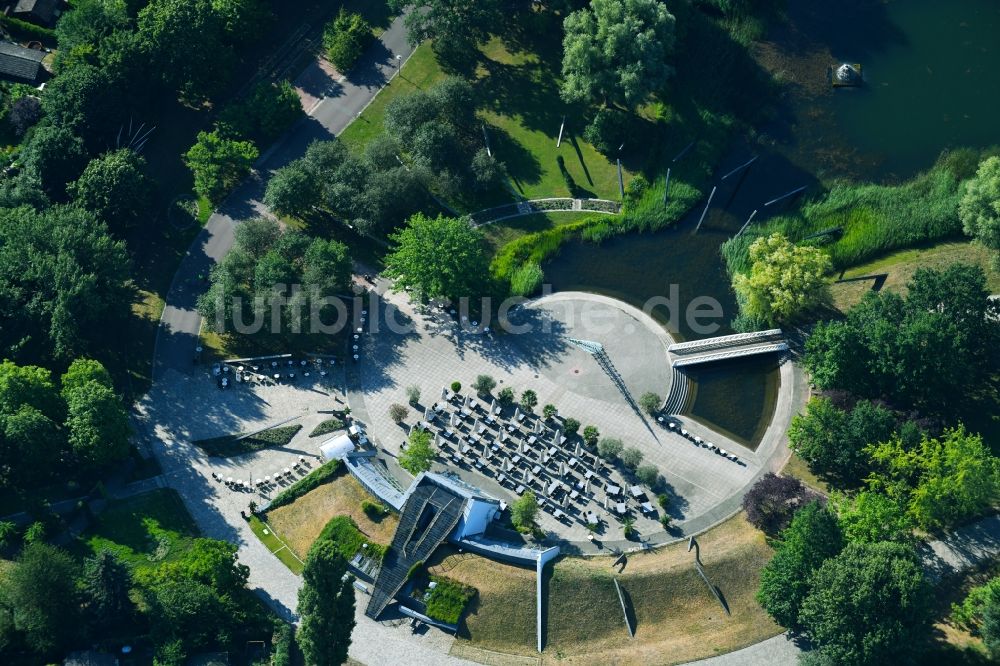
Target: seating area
[
  {"x": 271, "y": 370},
  {"x": 268, "y": 482},
  {"x": 696, "y": 440},
  {"x": 522, "y": 452}
]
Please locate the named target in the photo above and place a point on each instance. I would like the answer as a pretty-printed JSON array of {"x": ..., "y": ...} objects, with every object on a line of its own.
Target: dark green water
[
  {"x": 933, "y": 82},
  {"x": 731, "y": 396}
]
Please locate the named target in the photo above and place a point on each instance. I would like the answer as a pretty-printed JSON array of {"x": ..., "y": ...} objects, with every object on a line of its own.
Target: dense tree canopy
[
  {"x": 345, "y": 39},
  {"x": 84, "y": 101},
  {"x": 942, "y": 480},
  {"x": 617, "y": 51},
  {"x": 442, "y": 257},
  {"x": 63, "y": 284},
  {"x": 326, "y": 605},
  {"x": 269, "y": 110},
  {"x": 870, "y": 604},
  {"x": 456, "y": 26},
  {"x": 832, "y": 441},
  {"x": 980, "y": 206},
  {"x": 116, "y": 189},
  {"x": 812, "y": 537},
  {"x": 785, "y": 281},
  {"x": 870, "y": 517},
  {"x": 40, "y": 593},
  {"x": 267, "y": 267},
  {"x": 934, "y": 350},
  {"x": 54, "y": 156}
]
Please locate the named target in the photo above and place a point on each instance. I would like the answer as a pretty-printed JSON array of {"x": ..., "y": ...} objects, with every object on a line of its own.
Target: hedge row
[{"x": 323, "y": 474}]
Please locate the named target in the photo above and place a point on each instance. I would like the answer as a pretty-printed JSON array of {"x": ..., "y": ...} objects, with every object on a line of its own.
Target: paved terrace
[{"x": 434, "y": 351}]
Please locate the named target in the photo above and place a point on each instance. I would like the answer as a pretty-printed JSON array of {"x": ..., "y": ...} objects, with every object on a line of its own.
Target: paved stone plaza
[{"x": 434, "y": 351}]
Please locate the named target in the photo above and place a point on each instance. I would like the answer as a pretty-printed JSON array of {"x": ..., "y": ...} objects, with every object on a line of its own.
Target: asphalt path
[{"x": 340, "y": 103}]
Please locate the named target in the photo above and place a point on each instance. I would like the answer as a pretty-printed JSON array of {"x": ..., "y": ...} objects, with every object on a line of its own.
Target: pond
[{"x": 932, "y": 82}]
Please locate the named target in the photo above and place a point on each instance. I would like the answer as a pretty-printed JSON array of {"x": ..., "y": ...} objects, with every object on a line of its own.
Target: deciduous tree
[
  {"x": 219, "y": 164},
  {"x": 772, "y": 502},
  {"x": 869, "y": 604},
  {"x": 419, "y": 453},
  {"x": 617, "y": 51},
  {"x": 785, "y": 280},
  {"x": 812, "y": 537},
  {"x": 116, "y": 189},
  {"x": 979, "y": 208},
  {"x": 326, "y": 605}
]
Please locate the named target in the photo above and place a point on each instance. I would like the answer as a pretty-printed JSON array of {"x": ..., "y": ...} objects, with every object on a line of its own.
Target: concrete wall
[{"x": 475, "y": 518}]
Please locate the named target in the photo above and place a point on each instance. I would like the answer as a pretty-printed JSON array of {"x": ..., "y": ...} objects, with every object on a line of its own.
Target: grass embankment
[
  {"x": 678, "y": 618},
  {"x": 899, "y": 267},
  {"x": 234, "y": 445},
  {"x": 301, "y": 522},
  {"x": 868, "y": 220}
]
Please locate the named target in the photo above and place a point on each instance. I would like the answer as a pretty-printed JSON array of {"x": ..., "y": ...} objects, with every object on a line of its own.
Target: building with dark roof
[
  {"x": 17, "y": 62},
  {"x": 42, "y": 12}
]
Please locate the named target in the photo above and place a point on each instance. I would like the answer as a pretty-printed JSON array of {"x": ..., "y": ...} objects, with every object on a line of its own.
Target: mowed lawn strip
[
  {"x": 300, "y": 523},
  {"x": 900, "y": 267},
  {"x": 277, "y": 547}
]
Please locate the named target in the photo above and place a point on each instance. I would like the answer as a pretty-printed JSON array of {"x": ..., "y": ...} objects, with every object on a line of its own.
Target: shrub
[
  {"x": 484, "y": 384},
  {"x": 322, "y": 474},
  {"x": 415, "y": 569},
  {"x": 28, "y": 30},
  {"x": 631, "y": 457},
  {"x": 35, "y": 532},
  {"x": 609, "y": 448},
  {"x": 590, "y": 436},
  {"x": 549, "y": 410},
  {"x": 665, "y": 521},
  {"x": 571, "y": 426},
  {"x": 650, "y": 402},
  {"x": 419, "y": 453},
  {"x": 413, "y": 394},
  {"x": 663, "y": 500},
  {"x": 349, "y": 540},
  {"x": 326, "y": 427},
  {"x": 456, "y": 387},
  {"x": 506, "y": 396},
  {"x": 607, "y": 131},
  {"x": 648, "y": 474},
  {"x": 447, "y": 599},
  {"x": 283, "y": 642},
  {"x": 397, "y": 412},
  {"x": 523, "y": 512},
  {"x": 529, "y": 400},
  {"x": 526, "y": 280},
  {"x": 345, "y": 39},
  {"x": 374, "y": 510}
]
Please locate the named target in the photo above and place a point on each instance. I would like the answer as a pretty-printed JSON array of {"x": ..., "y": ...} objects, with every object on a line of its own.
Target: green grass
[
  {"x": 420, "y": 72},
  {"x": 144, "y": 530},
  {"x": 235, "y": 445},
  {"x": 274, "y": 544},
  {"x": 900, "y": 266},
  {"x": 344, "y": 532},
  {"x": 326, "y": 427},
  {"x": 504, "y": 232},
  {"x": 448, "y": 599}
]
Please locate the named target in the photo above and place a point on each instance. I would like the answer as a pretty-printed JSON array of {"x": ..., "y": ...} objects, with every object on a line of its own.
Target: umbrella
[
  {"x": 444, "y": 392},
  {"x": 494, "y": 407}
]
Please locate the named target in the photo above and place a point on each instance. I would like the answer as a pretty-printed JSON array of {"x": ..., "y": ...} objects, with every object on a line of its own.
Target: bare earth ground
[
  {"x": 678, "y": 619},
  {"x": 300, "y": 522}
]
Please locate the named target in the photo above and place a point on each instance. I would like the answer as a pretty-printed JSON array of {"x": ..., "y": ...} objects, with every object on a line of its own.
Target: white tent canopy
[{"x": 336, "y": 448}]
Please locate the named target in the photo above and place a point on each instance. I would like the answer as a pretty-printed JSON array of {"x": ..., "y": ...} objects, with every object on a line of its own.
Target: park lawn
[
  {"x": 300, "y": 523},
  {"x": 900, "y": 267},
  {"x": 144, "y": 530},
  {"x": 519, "y": 100},
  {"x": 501, "y": 233},
  {"x": 678, "y": 619},
  {"x": 419, "y": 72},
  {"x": 277, "y": 547}
]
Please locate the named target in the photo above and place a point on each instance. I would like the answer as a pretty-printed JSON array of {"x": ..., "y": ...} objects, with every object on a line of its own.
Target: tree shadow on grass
[{"x": 523, "y": 167}]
